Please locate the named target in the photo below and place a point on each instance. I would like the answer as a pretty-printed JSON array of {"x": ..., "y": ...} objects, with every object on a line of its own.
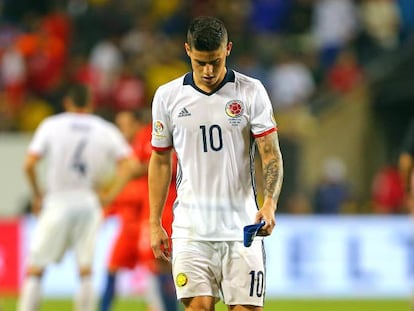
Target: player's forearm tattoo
[
  {"x": 271, "y": 177},
  {"x": 272, "y": 165}
]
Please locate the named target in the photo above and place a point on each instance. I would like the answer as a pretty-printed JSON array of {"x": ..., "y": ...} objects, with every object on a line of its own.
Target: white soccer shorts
[
  {"x": 67, "y": 220},
  {"x": 226, "y": 270}
]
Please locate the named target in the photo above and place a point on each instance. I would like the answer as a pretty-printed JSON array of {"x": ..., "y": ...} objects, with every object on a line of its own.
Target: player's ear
[
  {"x": 228, "y": 48},
  {"x": 187, "y": 49}
]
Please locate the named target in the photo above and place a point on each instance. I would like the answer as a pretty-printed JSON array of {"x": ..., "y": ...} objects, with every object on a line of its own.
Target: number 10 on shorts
[{"x": 256, "y": 283}]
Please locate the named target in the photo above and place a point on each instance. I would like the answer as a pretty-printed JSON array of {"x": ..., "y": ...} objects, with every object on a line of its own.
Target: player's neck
[
  {"x": 210, "y": 88},
  {"x": 79, "y": 110}
]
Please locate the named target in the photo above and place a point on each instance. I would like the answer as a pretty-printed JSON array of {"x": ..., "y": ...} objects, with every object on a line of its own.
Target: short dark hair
[
  {"x": 143, "y": 114},
  {"x": 207, "y": 33},
  {"x": 79, "y": 93}
]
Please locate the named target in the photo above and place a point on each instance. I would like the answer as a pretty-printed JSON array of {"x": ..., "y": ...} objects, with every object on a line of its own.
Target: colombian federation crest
[
  {"x": 181, "y": 279},
  {"x": 234, "y": 108}
]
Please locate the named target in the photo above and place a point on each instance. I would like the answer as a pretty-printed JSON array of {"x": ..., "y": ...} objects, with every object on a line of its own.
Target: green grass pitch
[{"x": 9, "y": 304}]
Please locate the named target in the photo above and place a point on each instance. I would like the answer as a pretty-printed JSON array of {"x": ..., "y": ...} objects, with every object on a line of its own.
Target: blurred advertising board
[
  {"x": 307, "y": 256},
  {"x": 9, "y": 255},
  {"x": 341, "y": 256}
]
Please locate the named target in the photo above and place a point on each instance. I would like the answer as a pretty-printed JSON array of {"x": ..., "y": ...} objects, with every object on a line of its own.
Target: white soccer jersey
[
  {"x": 79, "y": 148},
  {"x": 213, "y": 137}
]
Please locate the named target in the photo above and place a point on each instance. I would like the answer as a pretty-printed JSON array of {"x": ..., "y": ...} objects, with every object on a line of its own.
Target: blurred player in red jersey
[{"x": 132, "y": 245}]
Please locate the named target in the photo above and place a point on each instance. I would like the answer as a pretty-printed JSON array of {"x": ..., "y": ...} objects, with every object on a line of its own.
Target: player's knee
[
  {"x": 85, "y": 272},
  {"x": 202, "y": 303},
  {"x": 245, "y": 308},
  {"x": 34, "y": 271}
]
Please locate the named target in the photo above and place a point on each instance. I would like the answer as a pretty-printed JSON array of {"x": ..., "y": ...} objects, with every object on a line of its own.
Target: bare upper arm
[
  {"x": 31, "y": 161},
  {"x": 161, "y": 157}
]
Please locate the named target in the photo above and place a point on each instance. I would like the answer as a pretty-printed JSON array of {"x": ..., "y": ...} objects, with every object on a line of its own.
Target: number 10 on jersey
[{"x": 212, "y": 137}]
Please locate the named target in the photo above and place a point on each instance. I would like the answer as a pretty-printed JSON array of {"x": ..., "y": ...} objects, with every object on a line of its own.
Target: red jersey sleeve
[{"x": 142, "y": 144}]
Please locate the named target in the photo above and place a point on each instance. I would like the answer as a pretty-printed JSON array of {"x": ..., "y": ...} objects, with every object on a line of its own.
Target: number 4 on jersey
[{"x": 78, "y": 164}]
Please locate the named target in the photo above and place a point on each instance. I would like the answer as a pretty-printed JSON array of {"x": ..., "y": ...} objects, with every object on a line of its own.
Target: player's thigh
[
  {"x": 51, "y": 235},
  {"x": 84, "y": 234},
  {"x": 243, "y": 274},
  {"x": 196, "y": 269}
]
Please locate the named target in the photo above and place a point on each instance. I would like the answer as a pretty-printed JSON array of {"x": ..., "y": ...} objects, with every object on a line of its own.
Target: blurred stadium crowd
[{"x": 125, "y": 49}]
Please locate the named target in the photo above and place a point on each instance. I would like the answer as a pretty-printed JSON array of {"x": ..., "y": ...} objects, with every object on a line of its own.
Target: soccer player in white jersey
[
  {"x": 79, "y": 147},
  {"x": 214, "y": 118}
]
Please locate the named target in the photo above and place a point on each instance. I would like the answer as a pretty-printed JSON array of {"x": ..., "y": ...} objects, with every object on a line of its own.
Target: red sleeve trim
[
  {"x": 265, "y": 132},
  {"x": 161, "y": 148}
]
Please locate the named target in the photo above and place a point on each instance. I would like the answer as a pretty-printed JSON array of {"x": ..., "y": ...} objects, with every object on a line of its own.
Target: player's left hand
[{"x": 266, "y": 213}]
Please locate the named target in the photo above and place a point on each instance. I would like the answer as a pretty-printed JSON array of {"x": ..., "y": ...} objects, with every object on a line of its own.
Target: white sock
[
  {"x": 153, "y": 295},
  {"x": 85, "y": 298},
  {"x": 30, "y": 295}
]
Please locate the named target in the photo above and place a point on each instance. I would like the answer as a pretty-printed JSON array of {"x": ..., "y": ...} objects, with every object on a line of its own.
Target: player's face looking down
[{"x": 209, "y": 67}]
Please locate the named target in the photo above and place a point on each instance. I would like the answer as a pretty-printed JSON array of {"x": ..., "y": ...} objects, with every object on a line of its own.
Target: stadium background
[{"x": 357, "y": 61}]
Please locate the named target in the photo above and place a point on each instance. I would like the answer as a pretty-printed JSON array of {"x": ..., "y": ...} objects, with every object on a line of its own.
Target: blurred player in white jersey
[
  {"x": 78, "y": 147},
  {"x": 214, "y": 118}
]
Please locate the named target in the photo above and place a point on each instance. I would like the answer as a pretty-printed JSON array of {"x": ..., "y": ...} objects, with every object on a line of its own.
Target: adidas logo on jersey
[{"x": 184, "y": 113}]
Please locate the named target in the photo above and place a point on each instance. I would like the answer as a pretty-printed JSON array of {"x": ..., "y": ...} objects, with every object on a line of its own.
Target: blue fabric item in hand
[{"x": 250, "y": 231}]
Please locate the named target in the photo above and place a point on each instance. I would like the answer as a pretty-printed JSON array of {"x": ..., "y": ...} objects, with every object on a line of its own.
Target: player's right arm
[
  {"x": 125, "y": 171},
  {"x": 159, "y": 178},
  {"x": 31, "y": 175}
]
